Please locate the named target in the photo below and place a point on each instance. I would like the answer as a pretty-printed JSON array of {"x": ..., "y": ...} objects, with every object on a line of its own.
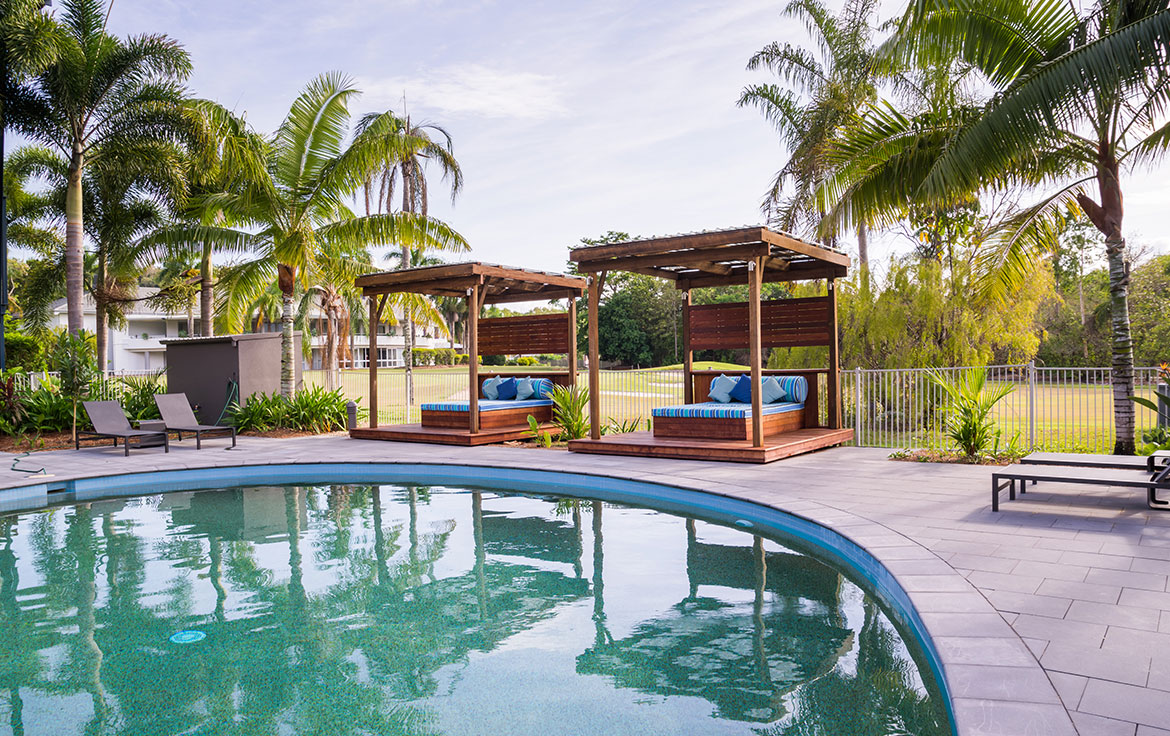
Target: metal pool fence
[{"x": 1054, "y": 409}]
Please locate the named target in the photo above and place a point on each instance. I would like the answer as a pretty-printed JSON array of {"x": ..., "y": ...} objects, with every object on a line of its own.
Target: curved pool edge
[{"x": 977, "y": 660}]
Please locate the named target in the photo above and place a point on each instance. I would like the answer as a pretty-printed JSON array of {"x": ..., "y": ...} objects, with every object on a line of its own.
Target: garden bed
[{"x": 946, "y": 456}]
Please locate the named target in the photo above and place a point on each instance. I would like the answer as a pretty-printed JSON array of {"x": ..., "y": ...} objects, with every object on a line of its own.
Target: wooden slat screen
[
  {"x": 785, "y": 323},
  {"x": 524, "y": 335}
]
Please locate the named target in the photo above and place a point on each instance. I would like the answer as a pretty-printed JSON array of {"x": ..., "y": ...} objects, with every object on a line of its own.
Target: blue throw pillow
[
  {"x": 506, "y": 389},
  {"x": 795, "y": 388},
  {"x": 525, "y": 389},
  {"x": 771, "y": 391},
  {"x": 743, "y": 390},
  {"x": 491, "y": 388},
  {"x": 721, "y": 389}
]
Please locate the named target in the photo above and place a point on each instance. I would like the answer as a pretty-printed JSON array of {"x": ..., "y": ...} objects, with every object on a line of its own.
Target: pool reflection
[{"x": 418, "y": 610}]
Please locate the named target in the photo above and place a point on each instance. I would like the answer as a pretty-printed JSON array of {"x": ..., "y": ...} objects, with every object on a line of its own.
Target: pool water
[{"x": 433, "y": 610}]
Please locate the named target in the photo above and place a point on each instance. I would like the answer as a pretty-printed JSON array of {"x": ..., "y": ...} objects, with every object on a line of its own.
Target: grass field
[{"x": 1069, "y": 416}]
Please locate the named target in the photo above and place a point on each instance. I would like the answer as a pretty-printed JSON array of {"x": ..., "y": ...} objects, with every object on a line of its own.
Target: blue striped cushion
[
  {"x": 716, "y": 410},
  {"x": 795, "y": 388},
  {"x": 541, "y": 388},
  {"x": 485, "y": 405}
]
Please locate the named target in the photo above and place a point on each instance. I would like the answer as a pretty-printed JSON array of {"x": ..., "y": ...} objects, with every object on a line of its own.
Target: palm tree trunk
[
  {"x": 1122, "y": 373},
  {"x": 101, "y": 323},
  {"x": 863, "y": 253},
  {"x": 191, "y": 317},
  {"x": 1107, "y": 217},
  {"x": 408, "y": 338},
  {"x": 74, "y": 244},
  {"x": 206, "y": 297},
  {"x": 286, "y": 279}
]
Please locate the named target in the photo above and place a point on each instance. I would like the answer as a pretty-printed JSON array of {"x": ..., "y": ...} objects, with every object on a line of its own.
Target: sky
[{"x": 569, "y": 118}]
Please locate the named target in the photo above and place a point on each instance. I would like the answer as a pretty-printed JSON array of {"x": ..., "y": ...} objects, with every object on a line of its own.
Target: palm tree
[
  {"x": 424, "y": 143},
  {"x": 124, "y": 199},
  {"x": 1080, "y": 99},
  {"x": 103, "y": 97},
  {"x": 287, "y": 216},
  {"x": 815, "y": 99}
]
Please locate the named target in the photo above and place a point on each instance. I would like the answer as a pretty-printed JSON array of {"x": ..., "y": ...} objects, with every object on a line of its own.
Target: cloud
[{"x": 472, "y": 90}]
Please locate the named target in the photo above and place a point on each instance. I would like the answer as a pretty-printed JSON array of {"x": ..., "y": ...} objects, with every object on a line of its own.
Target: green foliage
[
  {"x": 492, "y": 360},
  {"x": 544, "y": 438},
  {"x": 47, "y": 409},
  {"x": 623, "y": 426},
  {"x": 309, "y": 410},
  {"x": 12, "y": 409},
  {"x": 138, "y": 392},
  {"x": 968, "y": 419},
  {"x": 1154, "y": 439},
  {"x": 570, "y": 411},
  {"x": 72, "y": 360},
  {"x": 422, "y": 356},
  {"x": 527, "y": 360},
  {"x": 22, "y": 352}
]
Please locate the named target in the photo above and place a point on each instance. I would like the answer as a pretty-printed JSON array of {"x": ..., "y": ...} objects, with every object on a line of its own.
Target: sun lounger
[
  {"x": 177, "y": 415},
  {"x": 109, "y": 422},
  {"x": 1008, "y": 478},
  {"x": 1113, "y": 462}
]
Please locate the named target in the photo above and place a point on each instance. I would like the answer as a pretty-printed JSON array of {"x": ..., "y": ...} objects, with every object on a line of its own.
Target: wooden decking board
[
  {"x": 776, "y": 447},
  {"x": 439, "y": 435}
]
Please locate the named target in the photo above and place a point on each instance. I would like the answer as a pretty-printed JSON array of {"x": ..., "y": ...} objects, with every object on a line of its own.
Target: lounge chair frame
[
  {"x": 1015, "y": 478},
  {"x": 103, "y": 413}
]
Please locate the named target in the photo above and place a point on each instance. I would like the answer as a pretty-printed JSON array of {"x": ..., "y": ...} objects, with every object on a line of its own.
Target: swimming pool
[{"x": 435, "y": 607}]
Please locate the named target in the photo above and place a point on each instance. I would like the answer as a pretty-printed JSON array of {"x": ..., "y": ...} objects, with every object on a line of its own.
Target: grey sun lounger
[
  {"x": 109, "y": 422},
  {"x": 1015, "y": 478},
  {"x": 177, "y": 415},
  {"x": 1082, "y": 460}
]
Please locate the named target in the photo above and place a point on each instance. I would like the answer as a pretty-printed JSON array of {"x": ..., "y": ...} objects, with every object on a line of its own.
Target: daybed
[
  {"x": 493, "y": 413},
  {"x": 733, "y": 419}
]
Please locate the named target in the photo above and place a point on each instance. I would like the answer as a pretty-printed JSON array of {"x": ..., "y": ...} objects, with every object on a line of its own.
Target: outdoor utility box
[{"x": 214, "y": 370}]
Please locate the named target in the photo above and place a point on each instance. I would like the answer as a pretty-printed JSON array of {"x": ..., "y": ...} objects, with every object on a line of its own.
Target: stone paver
[{"x": 1051, "y": 617}]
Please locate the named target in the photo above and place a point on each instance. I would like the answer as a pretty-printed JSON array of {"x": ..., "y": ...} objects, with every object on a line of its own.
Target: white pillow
[{"x": 490, "y": 388}]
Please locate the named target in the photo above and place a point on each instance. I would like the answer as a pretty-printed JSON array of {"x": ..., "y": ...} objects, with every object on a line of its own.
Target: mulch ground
[
  {"x": 941, "y": 456},
  {"x": 64, "y": 440}
]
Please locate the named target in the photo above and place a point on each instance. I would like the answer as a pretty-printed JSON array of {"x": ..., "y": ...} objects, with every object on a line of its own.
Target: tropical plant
[
  {"x": 570, "y": 411},
  {"x": 47, "y": 409},
  {"x": 543, "y": 437},
  {"x": 422, "y": 144},
  {"x": 818, "y": 93},
  {"x": 970, "y": 401},
  {"x": 12, "y": 408},
  {"x": 286, "y": 216},
  {"x": 309, "y": 410},
  {"x": 102, "y": 98},
  {"x": 138, "y": 392},
  {"x": 1080, "y": 99},
  {"x": 622, "y": 426},
  {"x": 72, "y": 359}
]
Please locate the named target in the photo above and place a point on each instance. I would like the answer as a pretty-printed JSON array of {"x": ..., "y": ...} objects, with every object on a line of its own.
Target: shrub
[
  {"x": 492, "y": 359},
  {"x": 137, "y": 395},
  {"x": 12, "y": 411},
  {"x": 527, "y": 360},
  {"x": 445, "y": 356},
  {"x": 422, "y": 356},
  {"x": 310, "y": 410},
  {"x": 569, "y": 411},
  {"x": 968, "y": 411},
  {"x": 23, "y": 352},
  {"x": 47, "y": 409},
  {"x": 463, "y": 359}
]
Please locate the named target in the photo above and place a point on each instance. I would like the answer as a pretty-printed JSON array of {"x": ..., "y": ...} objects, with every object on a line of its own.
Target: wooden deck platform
[
  {"x": 441, "y": 435},
  {"x": 776, "y": 447}
]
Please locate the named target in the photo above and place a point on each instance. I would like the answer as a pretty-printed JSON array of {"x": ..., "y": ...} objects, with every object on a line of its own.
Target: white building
[{"x": 137, "y": 346}]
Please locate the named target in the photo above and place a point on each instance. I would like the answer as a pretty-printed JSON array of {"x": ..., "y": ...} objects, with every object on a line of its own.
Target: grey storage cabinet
[{"x": 206, "y": 368}]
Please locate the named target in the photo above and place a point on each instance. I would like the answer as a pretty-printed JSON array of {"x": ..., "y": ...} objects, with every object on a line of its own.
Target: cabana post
[
  {"x": 751, "y": 432},
  {"x": 477, "y": 421}
]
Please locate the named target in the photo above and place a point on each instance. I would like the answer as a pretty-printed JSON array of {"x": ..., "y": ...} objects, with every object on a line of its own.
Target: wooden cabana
[
  {"x": 471, "y": 423},
  {"x": 750, "y": 256}
]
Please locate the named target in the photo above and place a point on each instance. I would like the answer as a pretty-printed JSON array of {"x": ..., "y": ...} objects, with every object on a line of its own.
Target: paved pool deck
[{"x": 1051, "y": 617}]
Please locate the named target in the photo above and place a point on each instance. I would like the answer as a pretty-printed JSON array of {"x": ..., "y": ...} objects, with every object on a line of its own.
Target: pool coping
[{"x": 993, "y": 681}]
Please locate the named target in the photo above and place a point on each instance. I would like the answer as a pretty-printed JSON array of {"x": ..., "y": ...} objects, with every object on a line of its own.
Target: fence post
[
  {"x": 857, "y": 407},
  {"x": 1031, "y": 405}
]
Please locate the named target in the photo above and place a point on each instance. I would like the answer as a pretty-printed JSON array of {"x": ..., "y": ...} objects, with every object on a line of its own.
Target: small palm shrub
[
  {"x": 47, "y": 409},
  {"x": 138, "y": 392},
  {"x": 570, "y": 411},
  {"x": 310, "y": 410},
  {"x": 622, "y": 426},
  {"x": 968, "y": 421}
]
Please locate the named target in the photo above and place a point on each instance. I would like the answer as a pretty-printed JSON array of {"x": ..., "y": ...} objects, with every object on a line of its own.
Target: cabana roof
[
  {"x": 715, "y": 257},
  {"x": 498, "y": 284}
]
